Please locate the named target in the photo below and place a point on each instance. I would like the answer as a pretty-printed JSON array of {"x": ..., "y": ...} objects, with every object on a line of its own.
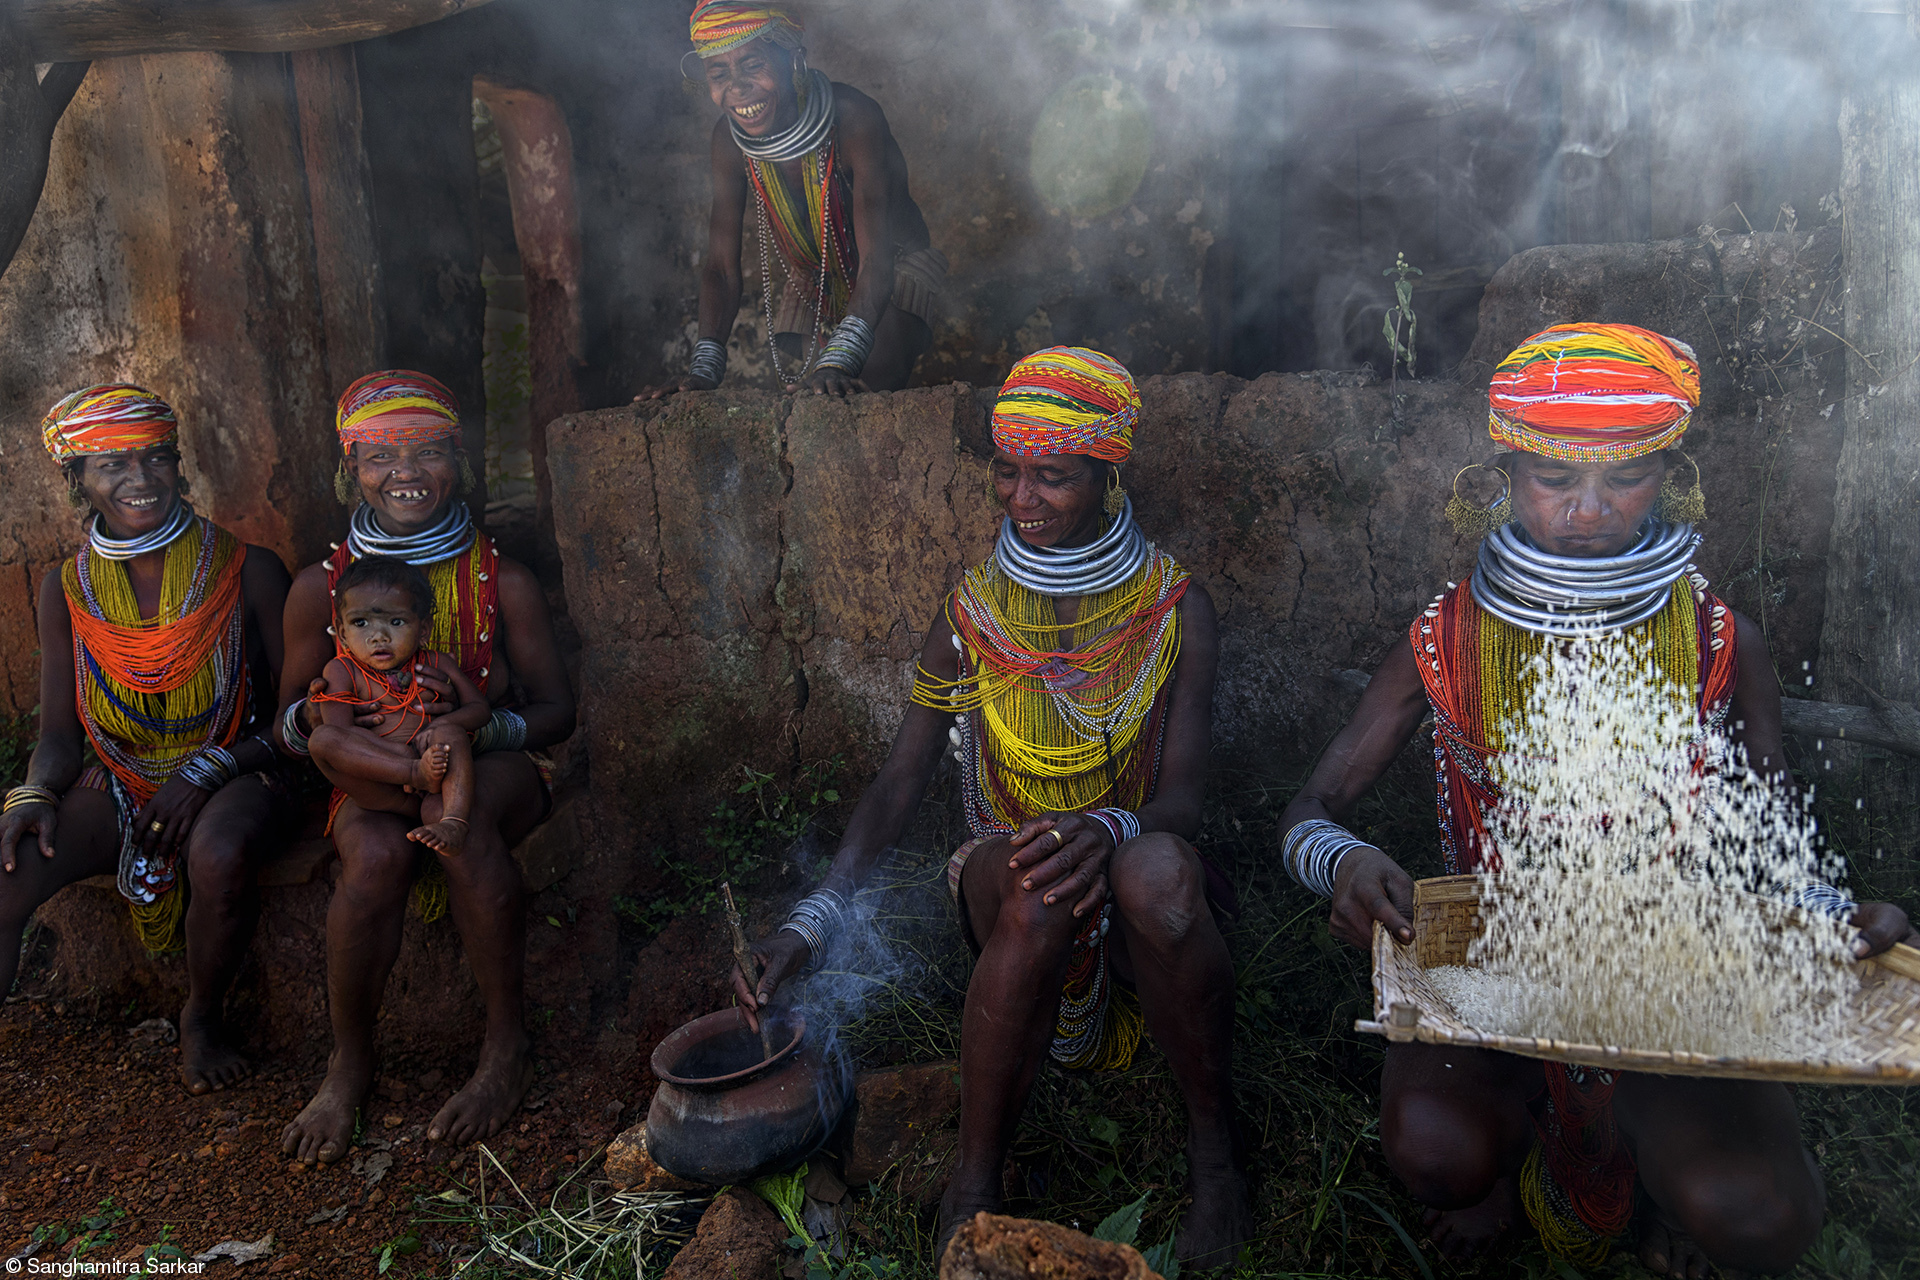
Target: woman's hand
[
  {"x": 1065, "y": 857},
  {"x": 164, "y": 822},
  {"x": 779, "y": 957},
  {"x": 685, "y": 382},
  {"x": 17, "y": 821},
  {"x": 1370, "y": 886},
  {"x": 829, "y": 381},
  {"x": 1881, "y": 924}
]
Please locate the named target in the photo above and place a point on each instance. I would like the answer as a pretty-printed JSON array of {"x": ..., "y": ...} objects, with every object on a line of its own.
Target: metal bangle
[
  {"x": 209, "y": 769},
  {"x": 709, "y": 361},
  {"x": 291, "y": 731},
  {"x": 1123, "y": 823},
  {"x": 1819, "y": 898},
  {"x": 817, "y": 918},
  {"x": 849, "y": 347},
  {"x": 26, "y": 794},
  {"x": 504, "y": 731},
  {"x": 1312, "y": 851}
]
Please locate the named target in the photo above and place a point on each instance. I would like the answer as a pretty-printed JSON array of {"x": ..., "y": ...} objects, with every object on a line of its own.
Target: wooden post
[
  {"x": 1871, "y": 636},
  {"x": 326, "y": 86}
]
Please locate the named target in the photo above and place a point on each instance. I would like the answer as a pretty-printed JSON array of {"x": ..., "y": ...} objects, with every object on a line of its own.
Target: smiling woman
[
  {"x": 159, "y": 643},
  {"x": 829, "y": 187},
  {"x": 404, "y": 472},
  {"x": 1072, "y": 674}
]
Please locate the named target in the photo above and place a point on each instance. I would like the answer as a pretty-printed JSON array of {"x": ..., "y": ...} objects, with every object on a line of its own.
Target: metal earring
[
  {"x": 345, "y": 487},
  {"x": 1115, "y": 500},
  {"x": 1683, "y": 508},
  {"x": 1469, "y": 519}
]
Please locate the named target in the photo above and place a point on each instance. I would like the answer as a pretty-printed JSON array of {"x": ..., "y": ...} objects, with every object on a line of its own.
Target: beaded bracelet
[
  {"x": 1312, "y": 851},
  {"x": 847, "y": 350},
  {"x": 209, "y": 769},
  {"x": 817, "y": 918},
  {"x": 26, "y": 794},
  {"x": 292, "y": 732},
  {"x": 504, "y": 731},
  {"x": 709, "y": 361},
  {"x": 1122, "y": 824}
]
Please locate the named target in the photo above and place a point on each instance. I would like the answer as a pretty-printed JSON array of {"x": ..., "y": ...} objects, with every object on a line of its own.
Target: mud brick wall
[{"x": 751, "y": 575}]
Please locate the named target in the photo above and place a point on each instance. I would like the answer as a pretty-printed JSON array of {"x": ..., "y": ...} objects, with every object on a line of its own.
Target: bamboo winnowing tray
[{"x": 1881, "y": 1047}]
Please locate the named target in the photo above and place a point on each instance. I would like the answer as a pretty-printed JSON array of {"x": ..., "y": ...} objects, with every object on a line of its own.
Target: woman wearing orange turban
[
  {"x": 828, "y": 185},
  {"x": 159, "y": 648},
  {"x": 1072, "y": 676},
  {"x": 1589, "y": 535},
  {"x": 406, "y": 478}
]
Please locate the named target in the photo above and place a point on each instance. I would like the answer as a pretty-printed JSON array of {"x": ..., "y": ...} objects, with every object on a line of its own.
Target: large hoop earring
[
  {"x": 1469, "y": 519},
  {"x": 1683, "y": 508},
  {"x": 468, "y": 481},
  {"x": 1115, "y": 500}
]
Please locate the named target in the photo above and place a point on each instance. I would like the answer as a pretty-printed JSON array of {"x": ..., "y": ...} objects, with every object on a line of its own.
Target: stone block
[
  {"x": 739, "y": 1238},
  {"x": 894, "y": 1111},
  {"x": 630, "y": 1168},
  {"x": 992, "y": 1247}
]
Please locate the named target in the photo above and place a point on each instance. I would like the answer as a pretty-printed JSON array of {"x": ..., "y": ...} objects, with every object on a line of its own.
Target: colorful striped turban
[
  {"x": 1594, "y": 393},
  {"x": 720, "y": 25},
  {"x": 106, "y": 418},
  {"x": 396, "y": 406},
  {"x": 1067, "y": 400}
]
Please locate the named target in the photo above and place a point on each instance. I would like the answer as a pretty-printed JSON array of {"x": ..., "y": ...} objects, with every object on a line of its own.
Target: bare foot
[
  {"x": 449, "y": 835},
  {"x": 1217, "y": 1223},
  {"x": 957, "y": 1207},
  {"x": 206, "y": 1063},
  {"x": 1461, "y": 1233},
  {"x": 490, "y": 1095},
  {"x": 323, "y": 1131},
  {"x": 430, "y": 768},
  {"x": 1666, "y": 1250}
]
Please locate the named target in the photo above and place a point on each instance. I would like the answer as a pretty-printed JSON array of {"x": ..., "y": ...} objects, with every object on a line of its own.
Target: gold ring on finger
[
  {"x": 157, "y": 825},
  {"x": 1058, "y": 839}
]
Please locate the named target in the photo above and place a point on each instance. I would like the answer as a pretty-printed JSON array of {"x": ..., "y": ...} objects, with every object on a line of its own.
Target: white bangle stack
[
  {"x": 709, "y": 361},
  {"x": 817, "y": 918},
  {"x": 1312, "y": 851},
  {"x": 1820, "y": 898},
  {"x": 1122, "y": 824}
]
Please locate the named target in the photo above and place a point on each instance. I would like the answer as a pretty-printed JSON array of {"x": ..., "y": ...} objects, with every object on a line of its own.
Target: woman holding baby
[{"x": 487, "y": 628}]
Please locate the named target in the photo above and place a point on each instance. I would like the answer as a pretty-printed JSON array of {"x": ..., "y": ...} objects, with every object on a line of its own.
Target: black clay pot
[{"x": 727, "y": 1111}]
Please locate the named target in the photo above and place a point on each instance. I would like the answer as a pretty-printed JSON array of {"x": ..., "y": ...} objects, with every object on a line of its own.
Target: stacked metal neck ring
[
  {"x": 1101, "y": 565},
  {"x": 1517, "y": 582}
]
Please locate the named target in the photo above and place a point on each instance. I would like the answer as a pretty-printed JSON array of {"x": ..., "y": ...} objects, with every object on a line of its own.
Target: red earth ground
[{"x": 92, "y": 1110}]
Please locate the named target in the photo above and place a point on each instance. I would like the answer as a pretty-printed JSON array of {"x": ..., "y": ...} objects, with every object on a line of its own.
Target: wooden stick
[{"x": 743, "y": 956}]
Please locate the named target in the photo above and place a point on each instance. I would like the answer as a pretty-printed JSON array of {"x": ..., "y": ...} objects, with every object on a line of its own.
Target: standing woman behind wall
[{"x": 160, "y": 643}]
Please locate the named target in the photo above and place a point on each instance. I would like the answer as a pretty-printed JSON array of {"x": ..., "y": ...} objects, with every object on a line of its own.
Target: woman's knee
[
  {"x": 217, "y": 863},
  {"x": 376, "y": 860},
  {"x": 1025, "y": 918},
  {"x": 1444, "y": 1159},
  {"x": 1748, "y": 1215},
  {"x": 1159, "y": 888}
]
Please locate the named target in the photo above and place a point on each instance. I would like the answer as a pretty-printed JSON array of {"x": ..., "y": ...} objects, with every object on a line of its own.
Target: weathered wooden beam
[
  {"x": 29, "y": 108},
  {"x": 1890, "y": 725},
  {"x": 70, "y": 30}
]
